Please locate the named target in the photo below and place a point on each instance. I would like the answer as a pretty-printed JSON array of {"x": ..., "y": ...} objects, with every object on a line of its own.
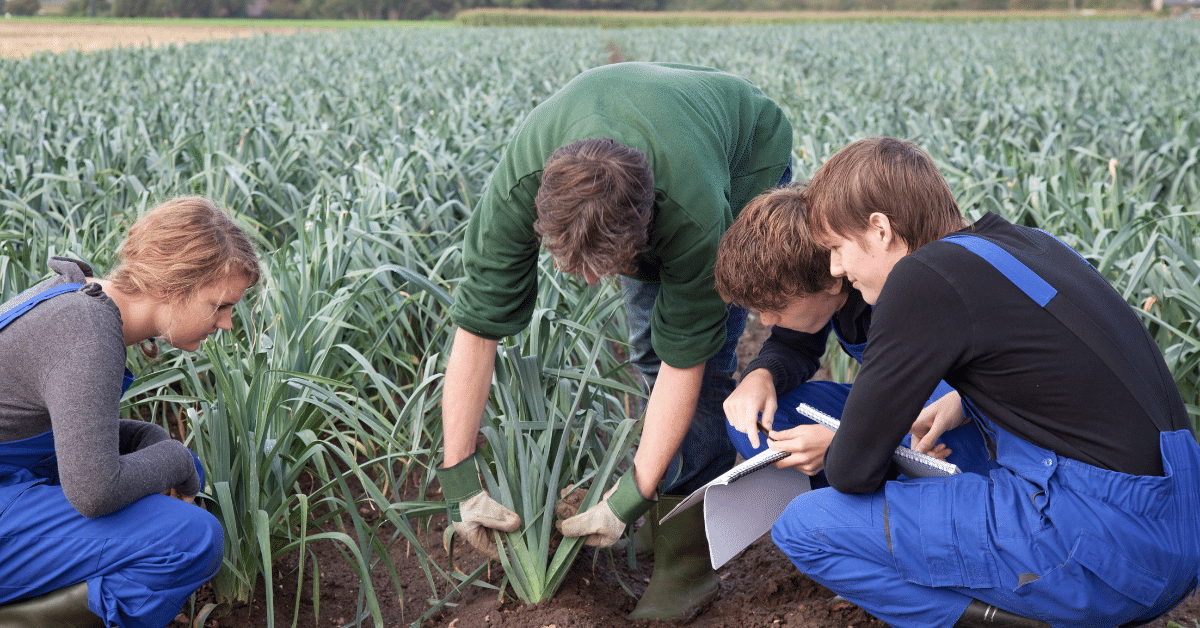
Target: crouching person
[
  {"x": 90, "y": 534},
  {"x": 768, "y": 262},
  {"x": 1088, "y": 516}
]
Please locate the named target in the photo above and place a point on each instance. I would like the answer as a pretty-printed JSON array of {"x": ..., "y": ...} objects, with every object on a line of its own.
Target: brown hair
[
  {"x": 180, "y": 246},
  {"x": 595, "y": 205},
  {"x": 886, "y": 175},
  {"x": 767, "y": 258}
]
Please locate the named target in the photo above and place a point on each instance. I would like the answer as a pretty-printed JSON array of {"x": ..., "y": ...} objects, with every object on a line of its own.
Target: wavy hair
[
  {"x": 180, "y": 246},
  {"x": 767, "y": 257},
  {"x": 595, "y": 205}
]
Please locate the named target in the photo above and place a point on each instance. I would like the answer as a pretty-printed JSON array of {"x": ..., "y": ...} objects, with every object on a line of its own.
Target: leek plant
[
  {"x": 560, "y": 420},
  {"x": 356, "y": 161}
]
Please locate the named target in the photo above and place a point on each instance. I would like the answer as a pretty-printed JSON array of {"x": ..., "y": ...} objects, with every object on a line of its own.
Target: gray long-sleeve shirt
[{"x": 61, "y": 365}]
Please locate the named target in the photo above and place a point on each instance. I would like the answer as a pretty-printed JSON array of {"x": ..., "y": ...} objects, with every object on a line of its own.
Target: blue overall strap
[
  {"x": 28, "y": 304},
  {"x": 1069, "y": 315}
]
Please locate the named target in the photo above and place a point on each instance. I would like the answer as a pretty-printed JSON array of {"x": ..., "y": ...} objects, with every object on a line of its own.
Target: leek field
[{"x": 357, "y": 156}]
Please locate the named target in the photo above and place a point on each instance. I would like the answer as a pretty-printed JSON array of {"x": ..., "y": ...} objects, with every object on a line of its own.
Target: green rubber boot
[
  {"x": 683, "y": 582},
  {"x": 64, "y": 608},
  {"x": 643, "y": 539}
]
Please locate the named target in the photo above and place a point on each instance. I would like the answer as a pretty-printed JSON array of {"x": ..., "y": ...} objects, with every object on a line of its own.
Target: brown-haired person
[
  {"x": 632, "y": 169},
  {"x": 91, "y": 533},
  {"x": 769, "y": 263},
  {"x": 1087, "y": 516}
]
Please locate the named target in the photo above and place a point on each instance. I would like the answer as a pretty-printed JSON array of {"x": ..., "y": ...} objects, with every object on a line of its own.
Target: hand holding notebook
[{"x": 912, "y": 463}]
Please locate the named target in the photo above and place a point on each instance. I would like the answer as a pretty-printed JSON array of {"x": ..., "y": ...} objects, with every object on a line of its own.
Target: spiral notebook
[
  {"x": 912, "y": 463},
  {"x": 743, "y": 503}
]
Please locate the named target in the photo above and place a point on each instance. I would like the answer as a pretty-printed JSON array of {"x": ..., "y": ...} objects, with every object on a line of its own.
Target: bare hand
[
  {"x": 180, "y": 496},
  {"x": 806, "y": 444},
  {"x": 936, "y": 419},
  {"x": 940, "y": 451},
  {"x": 755, "y": 395}
]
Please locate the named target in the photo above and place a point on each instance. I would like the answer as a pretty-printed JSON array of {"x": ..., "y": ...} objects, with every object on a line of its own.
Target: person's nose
[{"x": 835, "y": 265}]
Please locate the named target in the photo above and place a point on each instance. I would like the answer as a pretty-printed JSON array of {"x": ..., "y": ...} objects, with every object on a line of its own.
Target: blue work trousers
[
  {"x": 141, "y": 563},
  {"x": 706, "y": 451},
  {"x": 967, "y": 446},
  {"x": 1043, "y": 536}
]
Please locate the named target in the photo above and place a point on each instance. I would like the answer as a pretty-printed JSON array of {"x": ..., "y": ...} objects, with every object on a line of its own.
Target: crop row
[{"x": 356, "y": 157}]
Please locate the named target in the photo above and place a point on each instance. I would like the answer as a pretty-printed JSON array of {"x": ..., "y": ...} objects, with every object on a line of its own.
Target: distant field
[
  {"x": 628, "y": 19},
  {"x": 23, "y": 38},
  {"x": 26, "y": 36},
  {"x": 20, "y": 37}
]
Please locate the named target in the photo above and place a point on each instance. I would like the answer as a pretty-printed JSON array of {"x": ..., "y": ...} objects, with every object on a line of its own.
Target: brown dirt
[
  {"x": 23, "y": 38},
  {"x": 759, "y": 588}
]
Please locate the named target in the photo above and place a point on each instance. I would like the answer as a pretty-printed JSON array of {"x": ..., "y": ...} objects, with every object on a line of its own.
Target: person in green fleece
[{"x": 631, "y": 169}]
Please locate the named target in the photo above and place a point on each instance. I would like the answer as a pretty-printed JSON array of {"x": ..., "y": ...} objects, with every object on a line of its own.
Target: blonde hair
[{"x": 183, "y": 245}]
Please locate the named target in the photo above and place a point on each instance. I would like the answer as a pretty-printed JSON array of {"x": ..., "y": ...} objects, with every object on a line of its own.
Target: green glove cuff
[
  {"x": 627, "y": 502},
  {"x": 459, "y": 483}
]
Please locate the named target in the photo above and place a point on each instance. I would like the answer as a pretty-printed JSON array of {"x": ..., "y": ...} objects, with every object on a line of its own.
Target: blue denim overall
[
  {"x": 1042, "y": 535},
  {"x": 141, "y": 562}
]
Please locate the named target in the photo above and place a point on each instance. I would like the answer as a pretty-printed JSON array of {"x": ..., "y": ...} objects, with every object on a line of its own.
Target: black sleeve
[
  {"x": 792, "y": 357},
  {"x": 920, "y": 328}
]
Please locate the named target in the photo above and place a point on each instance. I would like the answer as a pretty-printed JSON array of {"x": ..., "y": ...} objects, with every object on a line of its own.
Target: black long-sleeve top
[
  {"x": 945, "y": 313},
  {"x": 793, "y": 357}
]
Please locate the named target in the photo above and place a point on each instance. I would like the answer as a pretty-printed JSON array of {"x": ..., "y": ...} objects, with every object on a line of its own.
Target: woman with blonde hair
[{"x": 92, "y": 536}]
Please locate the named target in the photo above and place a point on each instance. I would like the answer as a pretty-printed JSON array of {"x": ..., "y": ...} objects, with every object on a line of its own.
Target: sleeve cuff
[
  {"x": 460, "y": 482},
  {"x": 627, "y": 502}
]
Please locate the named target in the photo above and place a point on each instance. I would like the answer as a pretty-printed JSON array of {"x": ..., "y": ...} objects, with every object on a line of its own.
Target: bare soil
[
  {"x": 20, "y": 38},
  {"x": 759, "y": 588}
]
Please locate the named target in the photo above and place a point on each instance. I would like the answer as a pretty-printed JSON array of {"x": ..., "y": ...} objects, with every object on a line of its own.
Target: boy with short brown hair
[
  {"x": 1088, "y": 515},
  {"x": 769, "y": 262}
]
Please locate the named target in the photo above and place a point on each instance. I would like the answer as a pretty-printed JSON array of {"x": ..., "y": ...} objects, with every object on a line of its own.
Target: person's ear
[{"x": 879, "y": 228}]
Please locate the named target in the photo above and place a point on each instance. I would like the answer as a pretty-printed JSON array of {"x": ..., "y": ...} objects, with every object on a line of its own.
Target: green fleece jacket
[{"x": 713, "y": 141}]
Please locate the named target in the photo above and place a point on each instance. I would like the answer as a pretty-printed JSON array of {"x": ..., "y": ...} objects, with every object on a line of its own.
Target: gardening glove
[
  {"x": 603, "y": 523},
  {"x": 472, "y": 511}
]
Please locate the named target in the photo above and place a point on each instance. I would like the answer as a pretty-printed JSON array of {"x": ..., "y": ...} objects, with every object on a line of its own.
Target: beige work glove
[
  {"x": 472, "y": 511},
  {"x": 603, "y": 523}
]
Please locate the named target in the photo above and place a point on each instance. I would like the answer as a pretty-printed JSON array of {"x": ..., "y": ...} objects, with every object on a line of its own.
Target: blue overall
[
  {"x": 968, "y": 449},
  {"x": 1041, "y": 535},
  {"x": 141, "y": 563}
]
